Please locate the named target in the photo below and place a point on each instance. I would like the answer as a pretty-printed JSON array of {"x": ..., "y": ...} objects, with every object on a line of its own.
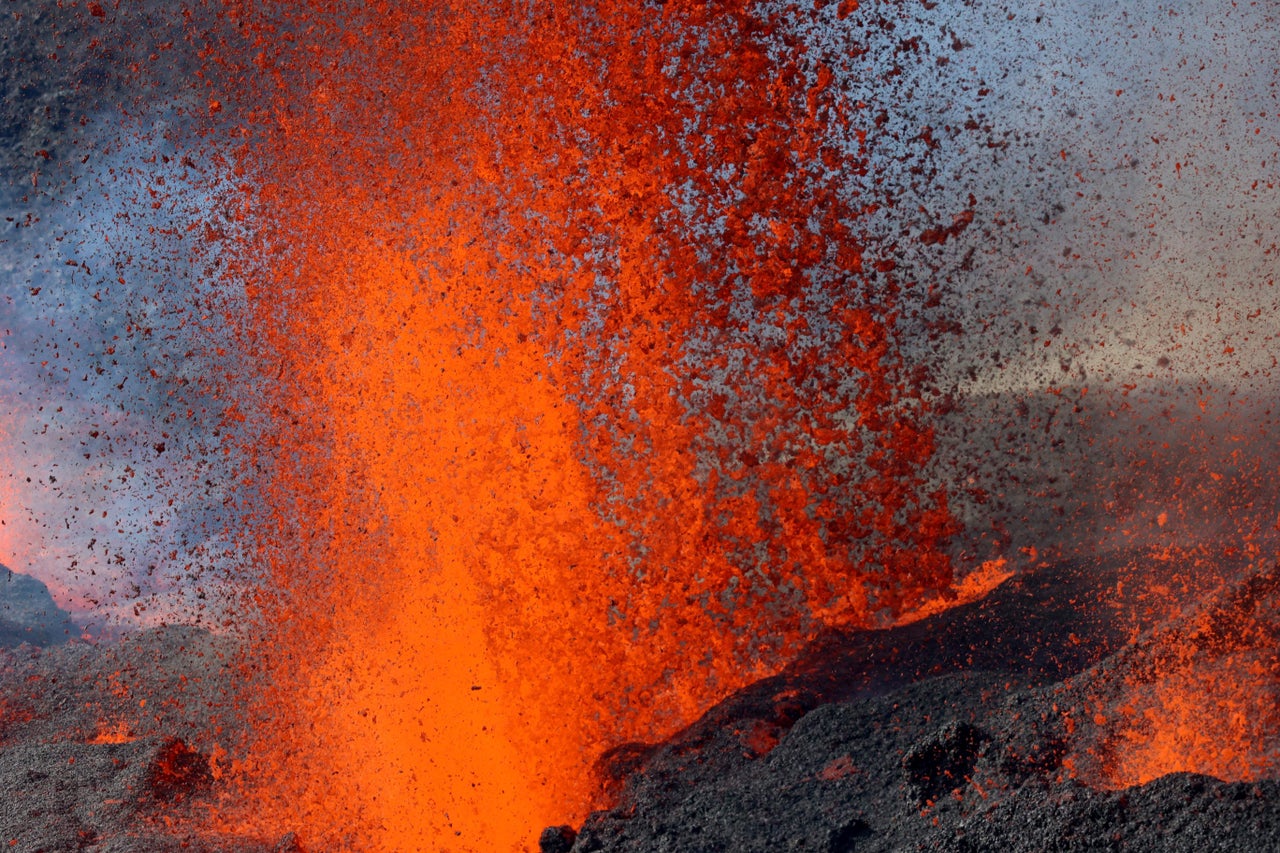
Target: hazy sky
[
  {"x": 113, "y": 315},
  {"x": 1139, "y": 186}
]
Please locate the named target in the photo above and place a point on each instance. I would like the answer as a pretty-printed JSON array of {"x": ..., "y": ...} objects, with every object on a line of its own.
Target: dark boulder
[
  {"x": 943, "y": 761},
  {"x": 557, "y": 839}
]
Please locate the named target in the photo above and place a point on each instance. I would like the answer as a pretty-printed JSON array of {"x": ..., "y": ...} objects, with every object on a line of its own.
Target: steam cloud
[{"x": 117, "y": 327}]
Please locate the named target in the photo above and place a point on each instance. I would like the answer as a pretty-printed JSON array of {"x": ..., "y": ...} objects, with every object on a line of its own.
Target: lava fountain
[{"x": 588, "y": 402}]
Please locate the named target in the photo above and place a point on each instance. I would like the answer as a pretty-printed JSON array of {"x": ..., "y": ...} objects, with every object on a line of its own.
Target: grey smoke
[{"x": 119, "y": 333}]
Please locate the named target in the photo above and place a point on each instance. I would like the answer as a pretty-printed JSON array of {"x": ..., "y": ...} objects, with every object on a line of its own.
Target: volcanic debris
[{"x": 961, "y": 732}]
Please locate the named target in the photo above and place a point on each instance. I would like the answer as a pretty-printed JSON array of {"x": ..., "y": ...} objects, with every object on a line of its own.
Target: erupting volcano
[{"x": 680, "y": 425}]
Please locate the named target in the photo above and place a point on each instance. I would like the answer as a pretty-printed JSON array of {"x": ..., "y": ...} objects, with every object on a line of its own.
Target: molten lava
[
  {"x": 590, "y": 411},
  {"x": 537, "y": 377},
  {"x": 1202, "y": 692}
]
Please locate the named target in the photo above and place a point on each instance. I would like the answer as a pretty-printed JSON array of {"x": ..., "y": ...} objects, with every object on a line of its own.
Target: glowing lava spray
[{"x": 586, "y": 406}]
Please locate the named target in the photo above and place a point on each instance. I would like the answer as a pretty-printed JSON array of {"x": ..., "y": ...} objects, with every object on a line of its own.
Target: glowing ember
[
  {"x": 1198, "y": 694},
  {"x": 117, "y": 732}
]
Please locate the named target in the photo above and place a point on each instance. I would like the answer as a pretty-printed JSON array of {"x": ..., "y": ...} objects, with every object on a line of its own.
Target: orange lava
[
  {"x": 536, "y": 486},
  {"x": 117, "y": 732},
  {"x": 1217, "y": 718},
  {"x": 974, "y": 586},
  {"x": 1199, "y": 693}
]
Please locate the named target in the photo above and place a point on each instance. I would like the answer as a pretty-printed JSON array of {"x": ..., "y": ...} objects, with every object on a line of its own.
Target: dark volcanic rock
[
  {"x": 1179, "y": 812},
  {"x": 105, "y": 748},
  {"x": 943, "y": 761},
  {"x": 557, "y": 839},
  {"x": 963, "y": 732},
  {"x": 28, "y": 613},
  {"x": 66, "y": 796},
  {"x": 834, "y": 782}
]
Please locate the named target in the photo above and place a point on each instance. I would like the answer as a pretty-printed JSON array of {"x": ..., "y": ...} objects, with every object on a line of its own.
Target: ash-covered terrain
[
  {"x": 127, "y": 747},
  {"x": 989, "y": 726}
]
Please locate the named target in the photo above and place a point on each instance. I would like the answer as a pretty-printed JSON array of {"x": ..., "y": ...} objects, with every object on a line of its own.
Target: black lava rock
[
  {"x": 972, "y": 730},
  {"x": 943, "y": 761},
  {"x": 557, "y": 839}
]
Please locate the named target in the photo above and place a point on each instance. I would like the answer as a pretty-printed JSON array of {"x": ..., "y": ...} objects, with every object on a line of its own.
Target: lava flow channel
[{"x": 583, "y": 409}]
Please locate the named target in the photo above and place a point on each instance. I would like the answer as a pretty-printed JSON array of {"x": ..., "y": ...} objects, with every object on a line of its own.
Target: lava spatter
[{"x": 591, "y": 412}]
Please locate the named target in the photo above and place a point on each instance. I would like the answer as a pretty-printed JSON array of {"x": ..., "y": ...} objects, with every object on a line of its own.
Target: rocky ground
[
  {"x": 113, "y": 747},
  {"x": 980, "y": 728},
  {"x": 118, "y": 747}
]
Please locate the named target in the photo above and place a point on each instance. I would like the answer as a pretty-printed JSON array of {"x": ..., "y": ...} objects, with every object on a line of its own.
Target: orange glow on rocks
[
  {"x": 587, "y": 412},
  {"x": 1211, "y": 703},
  {"x": 974, "y": 586},
  {"x": 112, "y": 732},
  {"x": 1196, "y": 694},
  {"x": 1211, "y": 718}
]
